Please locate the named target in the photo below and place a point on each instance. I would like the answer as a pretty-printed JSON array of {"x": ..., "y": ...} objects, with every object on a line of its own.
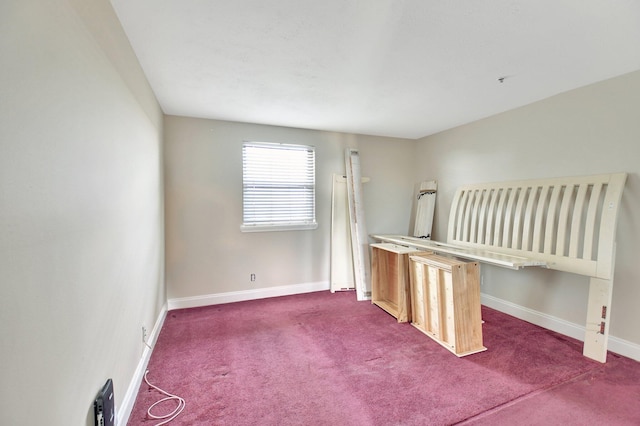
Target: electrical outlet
[
  {"x": 253, "y": 277},
  {"x": 144, "y": 334}
]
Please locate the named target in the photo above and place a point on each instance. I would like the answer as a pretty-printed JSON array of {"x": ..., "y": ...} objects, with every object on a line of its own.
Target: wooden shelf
[{"x": 445, "y": 294}]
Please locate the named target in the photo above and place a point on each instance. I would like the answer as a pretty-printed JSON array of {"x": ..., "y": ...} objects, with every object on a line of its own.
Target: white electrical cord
[{"x": 170, "y": 416}]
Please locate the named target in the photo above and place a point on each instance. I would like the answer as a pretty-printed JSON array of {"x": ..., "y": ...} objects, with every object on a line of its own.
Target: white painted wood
[
  {"x": 550, "y": 229},
  {"x": 341, "y": 274},
  {"x": 528, "y": 219},
  {"x": 591, "y": 221},
  {"x": 563, "y": 220},
  {"x": 545, "y": 227},
  {"x": 491, "y": 217},
  {"x": 497, "y": 236},
  {"x": 242, "y": 295},
  {"x": 460, "y": 216},
  {"x": 126, "y": 407},
  {"x": 482, "y": 219},
  {"x": 556, "y": 214},
  {"x": 608, "y": 225},
  {"x": 507, "y": 233},
  {"x": 473, "y": 226},
  {"x": 425, "y": 208},
  {"x": 484, "y": 256},
  {"x": 598, "y": 314},
  {"x": 359, "y": 239},
  {"x": 518, "y": 219},
  {"x": 537, "y": 223},
  {"x": 341, "y": 268},
  {"x": 576, "y": 221}
]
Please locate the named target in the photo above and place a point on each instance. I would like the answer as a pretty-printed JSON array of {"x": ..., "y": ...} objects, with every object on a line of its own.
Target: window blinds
[{"x": 278, "y": 186}]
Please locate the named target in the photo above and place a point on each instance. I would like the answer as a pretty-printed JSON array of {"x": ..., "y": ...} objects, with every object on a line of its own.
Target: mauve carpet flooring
[{"x": 326, "y": 359}]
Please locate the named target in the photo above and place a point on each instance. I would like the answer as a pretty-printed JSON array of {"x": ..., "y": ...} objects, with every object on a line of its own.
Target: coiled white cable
[{"x": 170, "y": 416}]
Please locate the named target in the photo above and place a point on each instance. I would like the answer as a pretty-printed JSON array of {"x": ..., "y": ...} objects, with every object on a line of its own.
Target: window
[{"x": 278, "y": 187}]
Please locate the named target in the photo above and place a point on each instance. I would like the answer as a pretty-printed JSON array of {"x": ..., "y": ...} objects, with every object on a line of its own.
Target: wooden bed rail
[{"x": 567, "y": 224}]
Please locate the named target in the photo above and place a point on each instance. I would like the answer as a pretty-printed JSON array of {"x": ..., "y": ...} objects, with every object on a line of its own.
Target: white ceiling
[{"x": 404, "y": 68}]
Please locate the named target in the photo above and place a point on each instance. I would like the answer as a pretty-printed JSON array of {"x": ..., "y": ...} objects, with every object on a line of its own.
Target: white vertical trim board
[
  {"x": 240, "y": 296},
  {"x": 341, "y": 274},
  {"x": 616, "y": 345},
  {"x": 359, "y": 237},
  {"x": 124, "y": 411}
]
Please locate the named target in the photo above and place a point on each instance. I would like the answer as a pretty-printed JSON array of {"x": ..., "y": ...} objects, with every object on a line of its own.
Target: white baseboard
[
  {"x": 124, "y": 411},
  {"x": 616, "y": 345},
  {"x": 239, "y": 296}
]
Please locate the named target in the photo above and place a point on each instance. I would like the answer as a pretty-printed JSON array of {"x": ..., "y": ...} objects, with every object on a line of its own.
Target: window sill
[{"x": 269, "y": 228}]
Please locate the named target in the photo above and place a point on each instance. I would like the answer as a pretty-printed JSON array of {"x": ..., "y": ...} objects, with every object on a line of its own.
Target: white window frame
[{"x": 278, "y": 187}]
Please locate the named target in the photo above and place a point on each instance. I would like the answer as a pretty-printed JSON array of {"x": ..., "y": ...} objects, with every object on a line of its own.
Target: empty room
[{"x": 147, "y": 249}]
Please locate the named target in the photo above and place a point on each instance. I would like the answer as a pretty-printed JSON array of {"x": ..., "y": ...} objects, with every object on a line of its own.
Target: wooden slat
[
  {"x": 550, "y": 228},
  {"x": 433, "y": 306},
  {"x": 536, "y": 247},
  {"x": 453, "y": 215},
  {"x": 528, "y": 218},
  {"x": 607, "y": 227},
  {"x": 497, "y": 236},
  {"x": 416, "y": 281},
  {"x": 466, "y": 224},
  {"x": 491, "y": 213},
  {"x": 486, "y": 256},
  {"x": 473, "y": 230},
  {"x": 359, "y": 241},
  {"x": 461, "y": 208},
  {"x": 482, "y": 219},
  {"x": 590, "y": 221},
  {"x": 507, "y": 235},
  {"x": 563, "y": 219},
  {"x": 540, "y": 208},
  {"x": 517, "y": 222},
  {"x": 576, "y": 221},
  {"x": 447, "y": 315}
]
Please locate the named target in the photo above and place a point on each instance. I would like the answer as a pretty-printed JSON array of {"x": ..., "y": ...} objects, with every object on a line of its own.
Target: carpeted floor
[{"x": 326, "y": 359}]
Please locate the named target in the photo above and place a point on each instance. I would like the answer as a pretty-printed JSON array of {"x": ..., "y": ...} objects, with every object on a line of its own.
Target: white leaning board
[
  {"x": 359, "y": 237},
  {"x": 425, "y": 207},
  {"x": 341, "y": 275}
]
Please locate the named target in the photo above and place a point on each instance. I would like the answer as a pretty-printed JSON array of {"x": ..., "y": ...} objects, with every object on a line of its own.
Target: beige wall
[
  {"x": 81, "y": 235},
  {"x": 595, "y": 129},
  {"x": 206, "y": 252},
  {"x": 81, "y": 194}
]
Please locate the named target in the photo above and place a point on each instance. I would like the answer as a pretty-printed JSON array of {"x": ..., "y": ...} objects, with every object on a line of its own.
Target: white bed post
[
  {"x": 601, "y": 289},
  {"x": 598, "y": 314}
]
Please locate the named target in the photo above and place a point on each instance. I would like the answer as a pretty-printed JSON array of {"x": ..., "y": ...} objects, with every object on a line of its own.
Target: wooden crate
[
  {"x": 445, "y": 294},
  {"x": 390, "y": 288}
]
